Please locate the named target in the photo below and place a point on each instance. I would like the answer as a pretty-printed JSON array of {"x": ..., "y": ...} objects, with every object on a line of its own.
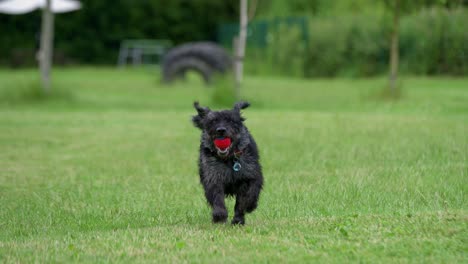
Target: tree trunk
[
  {"x": 240, "y": 46},
  {"x": 45, "y": 53},
  {"x": 394, "y": 48}
]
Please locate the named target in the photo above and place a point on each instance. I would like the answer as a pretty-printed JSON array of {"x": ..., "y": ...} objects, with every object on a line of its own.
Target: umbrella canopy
[{"x": 16, "y": 7}]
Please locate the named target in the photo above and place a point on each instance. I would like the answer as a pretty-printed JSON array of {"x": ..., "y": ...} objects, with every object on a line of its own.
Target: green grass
[{"x": 105, "y": 170}]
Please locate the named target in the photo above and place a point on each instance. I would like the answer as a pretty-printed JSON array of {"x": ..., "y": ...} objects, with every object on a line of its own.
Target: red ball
[{"x": 222, "y": 143}]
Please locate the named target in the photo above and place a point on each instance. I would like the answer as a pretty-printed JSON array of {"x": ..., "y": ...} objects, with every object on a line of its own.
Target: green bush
[
  {"x": 327, "y": 48},
  {"x": 286, "y": 50},
  {"x": 432, "y": 41},
  {"x": 367, "y": 50}
]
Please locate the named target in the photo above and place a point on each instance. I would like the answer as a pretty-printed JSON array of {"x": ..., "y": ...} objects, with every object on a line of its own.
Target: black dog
[{"x": 229, "y": 161}]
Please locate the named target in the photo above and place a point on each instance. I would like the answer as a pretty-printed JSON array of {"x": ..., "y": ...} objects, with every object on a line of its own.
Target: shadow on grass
[
  {"x": 389, "y": 94},
  {"x": 385, "y": 93}
]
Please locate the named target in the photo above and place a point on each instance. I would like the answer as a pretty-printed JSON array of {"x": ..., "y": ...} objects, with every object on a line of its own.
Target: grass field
[{"x": 105, "y": 170}]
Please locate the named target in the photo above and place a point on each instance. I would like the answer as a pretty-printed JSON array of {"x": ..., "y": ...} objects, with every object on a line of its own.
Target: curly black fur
[{"x": 217, "y": 175}]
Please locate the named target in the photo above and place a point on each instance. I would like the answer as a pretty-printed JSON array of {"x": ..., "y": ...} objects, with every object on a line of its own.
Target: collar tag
[{"x": 237, "y": 166}]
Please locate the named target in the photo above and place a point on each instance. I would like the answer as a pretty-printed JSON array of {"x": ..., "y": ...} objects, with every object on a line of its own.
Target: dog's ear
[
  {"x": 241, "y": 105},
  {"x": 202, "y": 112}
]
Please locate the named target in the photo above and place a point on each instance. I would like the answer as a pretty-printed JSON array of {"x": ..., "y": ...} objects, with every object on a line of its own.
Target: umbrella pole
[{"x": 47, "y": 36}]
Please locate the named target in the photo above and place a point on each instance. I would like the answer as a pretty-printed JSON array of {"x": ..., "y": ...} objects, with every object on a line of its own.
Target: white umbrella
[
  {"x": 49, "y": 7},
  {"x": 17, "y": 7}
]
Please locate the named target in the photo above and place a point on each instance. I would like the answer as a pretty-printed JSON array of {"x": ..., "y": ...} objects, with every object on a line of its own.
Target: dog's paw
[
  {"x": 220, "y": 216},
  {"x": 250, "y": 208},
  {"x": 238, "y": 221}
]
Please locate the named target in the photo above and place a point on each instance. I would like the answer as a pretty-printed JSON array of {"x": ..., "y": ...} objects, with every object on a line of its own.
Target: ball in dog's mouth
[{"x": 222, "y": 145}]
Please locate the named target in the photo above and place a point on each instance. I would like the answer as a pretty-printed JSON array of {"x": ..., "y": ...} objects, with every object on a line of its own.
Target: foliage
[
  {"x": 346, "y": 38},
  {"x": 285, "y": 8},
  {"x": 287, "y": 50},
  {"x": 112, "y": 176},
  {"x": 432, "y": 41},
  {"x": 335, "y": 8},
  {"x": 408, "y": 6},
  {"x": 274, "y": 8},
  {"x": 439, "y": 47}
]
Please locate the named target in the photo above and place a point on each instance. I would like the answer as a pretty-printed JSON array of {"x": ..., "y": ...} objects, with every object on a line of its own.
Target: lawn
[{"x": 105, "y": 170}]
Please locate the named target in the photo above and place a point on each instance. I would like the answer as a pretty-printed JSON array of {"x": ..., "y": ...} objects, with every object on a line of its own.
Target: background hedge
[
  {"x": 345, "y": 38},
  {"x": 432, "y": 41}
]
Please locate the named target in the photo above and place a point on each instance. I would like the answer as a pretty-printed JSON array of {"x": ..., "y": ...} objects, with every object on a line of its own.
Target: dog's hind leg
[
  {"x": 246, "y": 201},
  {"x": 215, "y": 197}
]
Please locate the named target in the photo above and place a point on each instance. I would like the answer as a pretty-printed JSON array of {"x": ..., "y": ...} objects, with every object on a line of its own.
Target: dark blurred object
[
  {"x": 142, "y": 51},
  {"x": 206, "y": 58}
]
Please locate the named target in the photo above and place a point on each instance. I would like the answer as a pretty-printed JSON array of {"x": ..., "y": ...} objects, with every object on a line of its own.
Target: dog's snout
[{"x": 221, "y": 130}]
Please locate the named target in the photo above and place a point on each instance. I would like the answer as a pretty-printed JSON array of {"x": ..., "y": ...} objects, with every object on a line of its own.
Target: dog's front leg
[
  {"x": 246, "y": 201},
  {"x": 215, "y": 196}
]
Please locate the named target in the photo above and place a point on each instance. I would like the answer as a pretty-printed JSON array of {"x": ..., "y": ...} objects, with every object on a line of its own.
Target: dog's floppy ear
[
  {"x": 202, "y": 112},
  {"x": 241, "y": 105}
]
